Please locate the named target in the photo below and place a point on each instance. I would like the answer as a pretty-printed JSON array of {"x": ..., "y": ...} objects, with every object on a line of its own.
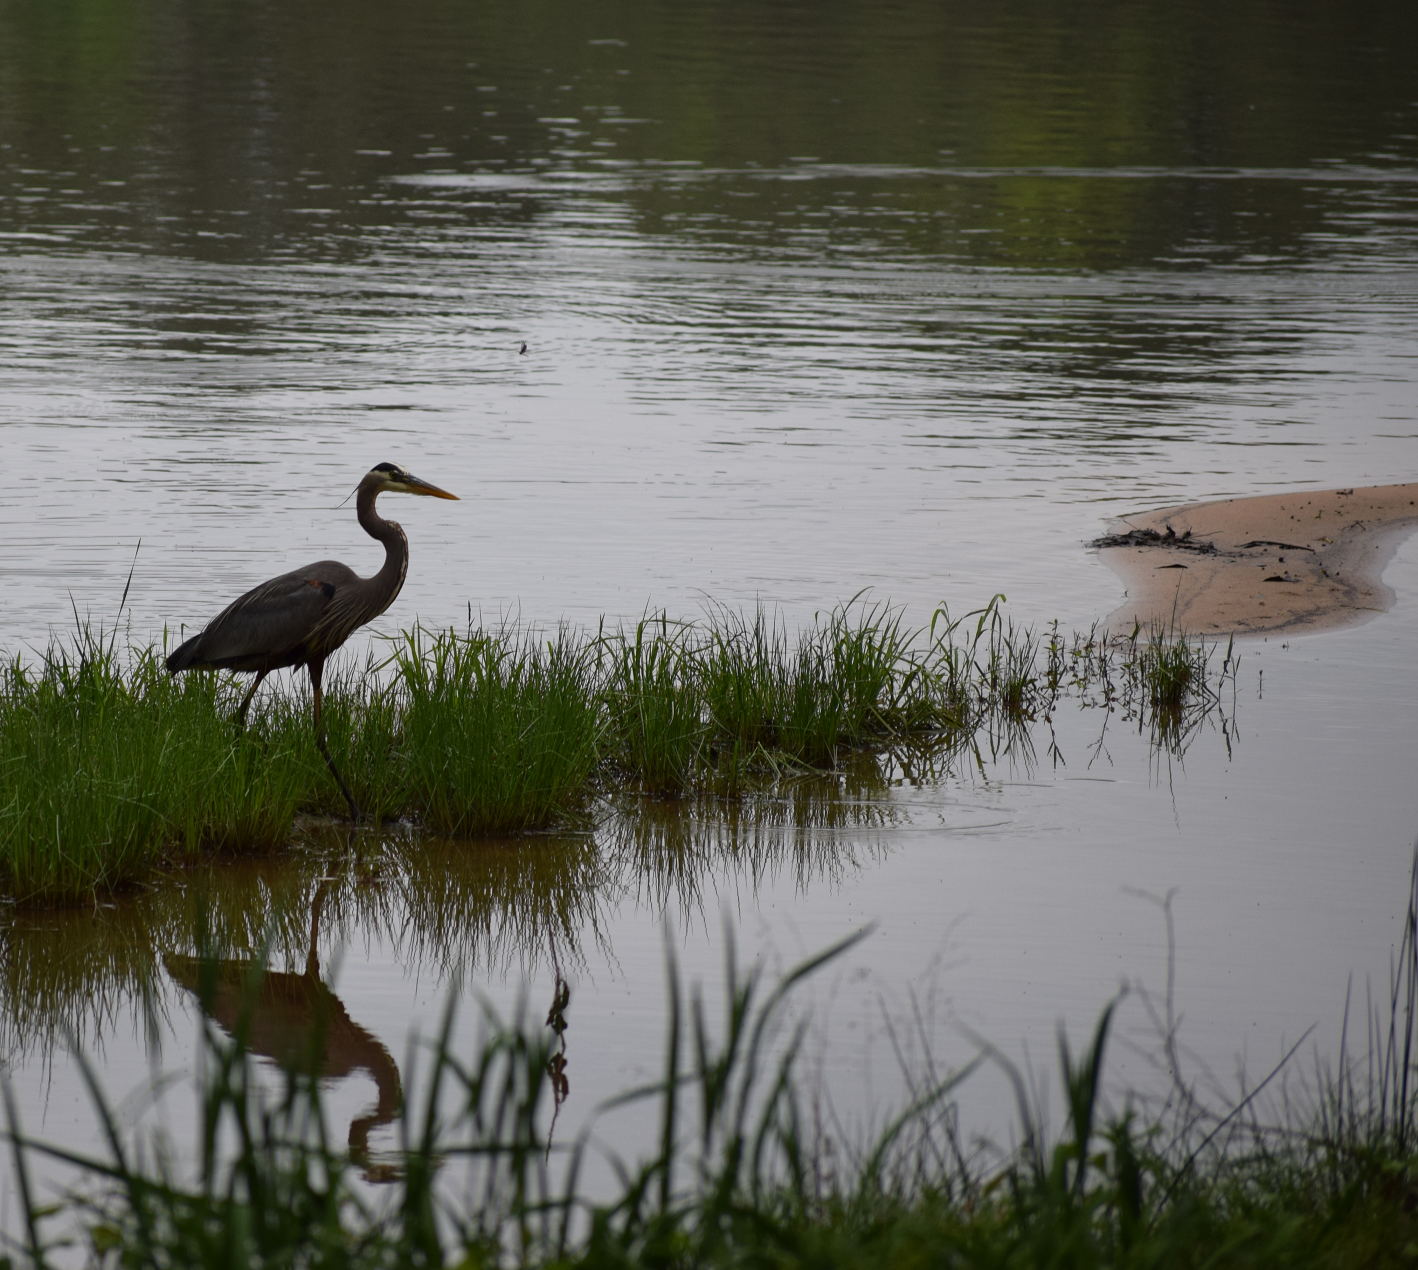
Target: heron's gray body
[
  {"x": 289, "y": 620},
  {"x": 301, "y": 617}
]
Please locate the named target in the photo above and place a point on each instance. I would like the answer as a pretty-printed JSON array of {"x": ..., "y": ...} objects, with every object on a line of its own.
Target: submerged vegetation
[
  {"x": 742, "y": 1172},
  {"x": 108, "y": 765}
]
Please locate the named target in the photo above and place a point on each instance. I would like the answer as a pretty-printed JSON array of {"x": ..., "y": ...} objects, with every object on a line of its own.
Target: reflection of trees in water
[
  {"x": 462, "y": 909},
  {"x": 996, "y": 89}
]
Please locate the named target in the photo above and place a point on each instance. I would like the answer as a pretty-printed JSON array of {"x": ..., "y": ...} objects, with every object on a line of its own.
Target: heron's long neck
[{"x": 396, "y": 548}]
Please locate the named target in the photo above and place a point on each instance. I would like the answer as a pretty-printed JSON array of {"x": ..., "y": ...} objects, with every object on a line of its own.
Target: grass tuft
[
  {"x": 657, "y": 731},
  {"x": 500, "y": 733},
  {"x": 104, "y": 769}
]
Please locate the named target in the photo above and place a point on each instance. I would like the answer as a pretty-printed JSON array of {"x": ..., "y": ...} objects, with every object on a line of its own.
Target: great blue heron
[{"x": 302, "y": 617}]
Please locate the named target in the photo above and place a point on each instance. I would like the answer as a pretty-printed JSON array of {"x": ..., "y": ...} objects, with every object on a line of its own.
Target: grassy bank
[
  {"x": 107, "y": 765},
  {"x": 741, "y": 1175}
]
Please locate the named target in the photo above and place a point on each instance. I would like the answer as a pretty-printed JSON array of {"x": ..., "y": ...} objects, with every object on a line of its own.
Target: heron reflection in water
[
  {"x": 295, "y": 1020},
  {"x": 301, "y": 617}
]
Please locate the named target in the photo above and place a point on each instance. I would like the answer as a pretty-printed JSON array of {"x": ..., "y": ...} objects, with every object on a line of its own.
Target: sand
[{"x": 1305, "y": 561}]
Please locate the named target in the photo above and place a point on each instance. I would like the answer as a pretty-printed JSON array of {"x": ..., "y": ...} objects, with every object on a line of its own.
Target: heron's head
[{"x": 390, "y": 478}]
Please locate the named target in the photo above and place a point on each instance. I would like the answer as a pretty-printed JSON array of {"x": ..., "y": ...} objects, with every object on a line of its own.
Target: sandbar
[{"x": 1309, "y": 560}]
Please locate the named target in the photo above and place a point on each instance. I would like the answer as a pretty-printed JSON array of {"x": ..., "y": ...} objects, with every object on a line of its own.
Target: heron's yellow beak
[{"x": 415, "y": 485}]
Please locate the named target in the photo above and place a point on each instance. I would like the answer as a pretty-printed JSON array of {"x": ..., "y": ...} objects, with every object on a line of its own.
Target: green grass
[
  {"x": 364, "y": 727},
  {"x": 108, "y": 766},
  {"x": 657, "y": 731},
  {"x": 500, "y": 733},
  {"x": 105, "y": 769},
  {"x": 694, "y": 705},
  {"x": 739, "y": 1176}
]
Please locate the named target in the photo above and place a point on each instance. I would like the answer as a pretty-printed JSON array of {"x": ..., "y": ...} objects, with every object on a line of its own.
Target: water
[{"x": 813, "y": 302}]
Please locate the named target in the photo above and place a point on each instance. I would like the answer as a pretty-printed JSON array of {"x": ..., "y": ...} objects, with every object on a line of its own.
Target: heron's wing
[{"x": 267, "y": 627}]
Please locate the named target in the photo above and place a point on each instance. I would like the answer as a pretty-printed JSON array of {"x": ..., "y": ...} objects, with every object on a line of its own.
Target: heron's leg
[
  {"x": 316, "y": 669},
  {"x": 246, "y": 700},
  {"x": 312, "y": 959}
]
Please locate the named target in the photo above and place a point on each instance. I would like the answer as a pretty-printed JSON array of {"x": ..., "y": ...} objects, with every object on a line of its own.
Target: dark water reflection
[
  {"x": 295, "y": 1020},
  {"x": 1022, "y": 135},
  {"x": 464, "y": 912}
]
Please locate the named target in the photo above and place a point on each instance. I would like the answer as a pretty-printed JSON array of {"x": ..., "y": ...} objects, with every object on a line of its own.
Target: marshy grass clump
[
  {"x": 836, "y": 685},
  {"x": 656, "y": 730},
  {"x": 106, "y": 767},
  {"x": 499, "y": 734},
  {"x": 698, "y": 705},
  {"x": 107, "y": 764}
]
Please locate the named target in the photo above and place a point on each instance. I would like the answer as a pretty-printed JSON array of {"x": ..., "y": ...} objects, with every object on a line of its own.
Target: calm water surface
[{"x": 814, "y": 301}]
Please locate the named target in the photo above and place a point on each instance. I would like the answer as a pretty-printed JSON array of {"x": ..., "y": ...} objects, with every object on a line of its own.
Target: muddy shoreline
[{"x": 1309, "y": 560}]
